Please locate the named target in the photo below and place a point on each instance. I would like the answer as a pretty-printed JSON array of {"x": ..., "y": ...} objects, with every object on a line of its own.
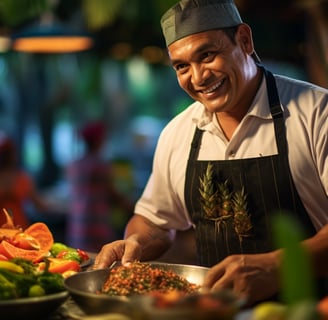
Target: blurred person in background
[
  {"x": 17, "y": 187},
  {"x": 92, "y": 193}
]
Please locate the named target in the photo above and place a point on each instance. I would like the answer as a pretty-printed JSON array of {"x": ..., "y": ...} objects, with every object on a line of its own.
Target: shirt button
[{"x": 232, "y": 154}]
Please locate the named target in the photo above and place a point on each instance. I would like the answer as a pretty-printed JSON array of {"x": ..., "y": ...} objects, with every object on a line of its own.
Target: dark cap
[{"x": 188, "y": 17}]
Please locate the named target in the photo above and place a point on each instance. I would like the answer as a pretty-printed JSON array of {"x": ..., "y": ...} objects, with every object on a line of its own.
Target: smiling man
[{"x": 251, "y": 144}]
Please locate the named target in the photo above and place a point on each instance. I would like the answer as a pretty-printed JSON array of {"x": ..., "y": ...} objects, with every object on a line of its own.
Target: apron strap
[
  {"x": 195, "y": 144},
  {"x": 276, "y": 112}
]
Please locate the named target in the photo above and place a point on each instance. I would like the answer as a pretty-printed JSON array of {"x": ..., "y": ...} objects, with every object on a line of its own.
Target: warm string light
[
  {"x": 49, "y": 36},
  {"x": 52, "y": 44}
]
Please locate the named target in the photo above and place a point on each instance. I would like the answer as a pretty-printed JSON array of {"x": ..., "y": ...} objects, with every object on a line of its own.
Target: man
[{"x": 251, "y": 145}]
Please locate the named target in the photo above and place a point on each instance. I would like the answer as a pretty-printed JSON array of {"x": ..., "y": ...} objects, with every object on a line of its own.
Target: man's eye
[
  {"x": 208, "y": 55},
  {"x": 180, "y": 67}
]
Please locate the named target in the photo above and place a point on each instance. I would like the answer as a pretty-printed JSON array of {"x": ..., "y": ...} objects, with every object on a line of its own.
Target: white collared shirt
[{"x": 305, "y": 110}]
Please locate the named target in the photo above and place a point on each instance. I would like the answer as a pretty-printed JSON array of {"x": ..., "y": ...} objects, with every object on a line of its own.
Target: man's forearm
[
  {"x": 318, "y": 249},
  {"x": 153, "y": 239}
]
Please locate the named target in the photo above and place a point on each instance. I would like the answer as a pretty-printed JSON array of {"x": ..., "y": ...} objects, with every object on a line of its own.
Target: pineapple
[
  {"x": 209, "y": 196},
  {"x": 242, "y": 220},
  {"x": 225, "y": 209}
]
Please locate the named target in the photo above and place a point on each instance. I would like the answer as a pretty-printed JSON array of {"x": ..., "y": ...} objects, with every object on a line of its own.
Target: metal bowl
[
  {"x": 32, "y": 308},
  {"x": 83, "y": 288}
]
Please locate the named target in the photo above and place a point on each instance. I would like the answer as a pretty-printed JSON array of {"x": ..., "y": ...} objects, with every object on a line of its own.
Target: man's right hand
[{"x": 124, "y": 251}]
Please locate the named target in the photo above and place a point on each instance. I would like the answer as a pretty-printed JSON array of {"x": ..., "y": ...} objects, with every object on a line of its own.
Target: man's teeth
[{"x": 213, "y": 88}]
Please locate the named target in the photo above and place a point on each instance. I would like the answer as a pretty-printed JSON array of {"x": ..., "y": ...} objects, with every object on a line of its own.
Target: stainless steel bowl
[{"x": 84, "y": 286}]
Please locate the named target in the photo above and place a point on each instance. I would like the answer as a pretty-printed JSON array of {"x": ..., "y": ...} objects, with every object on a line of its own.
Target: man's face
[{"x": 213, "y": 70}]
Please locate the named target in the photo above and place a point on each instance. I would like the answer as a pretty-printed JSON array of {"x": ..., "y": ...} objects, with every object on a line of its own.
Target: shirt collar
[{"x": 260, "y": 108}]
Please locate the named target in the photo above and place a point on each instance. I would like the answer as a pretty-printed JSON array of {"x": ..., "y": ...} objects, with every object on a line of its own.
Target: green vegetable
[
  {"x": 58, "y": 247},
  {"x": 28, "y": 266},
  {"x": 51, "y": 282},
  {"x": 20, "y": 281},
  {"x": 36, "y": 291},
  {"x": 7, "y": 289},
  {"x": 60, "y": 250},
  {"x": 72, "y": 255},
  {"x": 30, "y": 283},
  {"x": 8, "y": 265}
]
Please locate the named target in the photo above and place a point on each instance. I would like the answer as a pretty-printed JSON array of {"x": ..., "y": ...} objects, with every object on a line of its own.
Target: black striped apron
[{"x": 231, "y": 205}]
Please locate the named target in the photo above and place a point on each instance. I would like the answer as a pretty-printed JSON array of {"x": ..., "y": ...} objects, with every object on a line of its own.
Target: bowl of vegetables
[{"x": 26, "y": 292}]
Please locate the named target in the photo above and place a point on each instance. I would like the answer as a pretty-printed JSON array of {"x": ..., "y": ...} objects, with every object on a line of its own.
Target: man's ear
[{"x": 244, "y": 38}]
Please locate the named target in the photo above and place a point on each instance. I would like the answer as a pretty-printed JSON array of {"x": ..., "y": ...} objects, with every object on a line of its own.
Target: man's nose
[{"x": 199, "y": 75}]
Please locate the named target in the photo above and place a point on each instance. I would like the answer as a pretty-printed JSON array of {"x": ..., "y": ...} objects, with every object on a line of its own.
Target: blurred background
[{"x": 110, "y": 63}]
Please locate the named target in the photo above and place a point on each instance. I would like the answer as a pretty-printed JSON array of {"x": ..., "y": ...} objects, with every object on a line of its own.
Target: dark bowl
[
  {"x": 83, "y": 288},
  {"x": 35, "y": 308}
]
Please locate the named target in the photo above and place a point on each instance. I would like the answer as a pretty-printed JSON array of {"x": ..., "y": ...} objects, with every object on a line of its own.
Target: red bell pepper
[
  {"x": 61, "y": 265},
  {"x": 84, "y": 256}
]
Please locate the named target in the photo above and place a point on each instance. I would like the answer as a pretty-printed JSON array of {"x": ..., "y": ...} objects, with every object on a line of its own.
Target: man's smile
[{"x": 213, "y": 87}]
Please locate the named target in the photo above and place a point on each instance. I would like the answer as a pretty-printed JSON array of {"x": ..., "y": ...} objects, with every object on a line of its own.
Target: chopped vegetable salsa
[{"x": 140, "y": 278}]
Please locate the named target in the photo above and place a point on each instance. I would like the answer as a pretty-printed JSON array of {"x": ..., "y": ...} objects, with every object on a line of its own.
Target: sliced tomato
[
  {"x": 10, "y": 251},
  {"x": 3, "y": 258},
  {"x": 42, "y": 234},
  {"x": 25, "y": 241},
  {"x": 61, "y": 265},
  {"x": 3, "y": 252}
]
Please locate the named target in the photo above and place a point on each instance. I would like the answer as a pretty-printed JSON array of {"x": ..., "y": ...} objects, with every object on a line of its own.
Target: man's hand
[
  {"x": 253, "y": 277},
  {"x": 143, "y": 241},
  {"x": 120, "y": 250}
]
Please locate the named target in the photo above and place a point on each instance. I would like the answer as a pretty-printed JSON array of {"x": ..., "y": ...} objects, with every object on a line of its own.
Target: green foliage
[
  {"x": 297, "y": 278},
  {"x": 16, "y": 12}
]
